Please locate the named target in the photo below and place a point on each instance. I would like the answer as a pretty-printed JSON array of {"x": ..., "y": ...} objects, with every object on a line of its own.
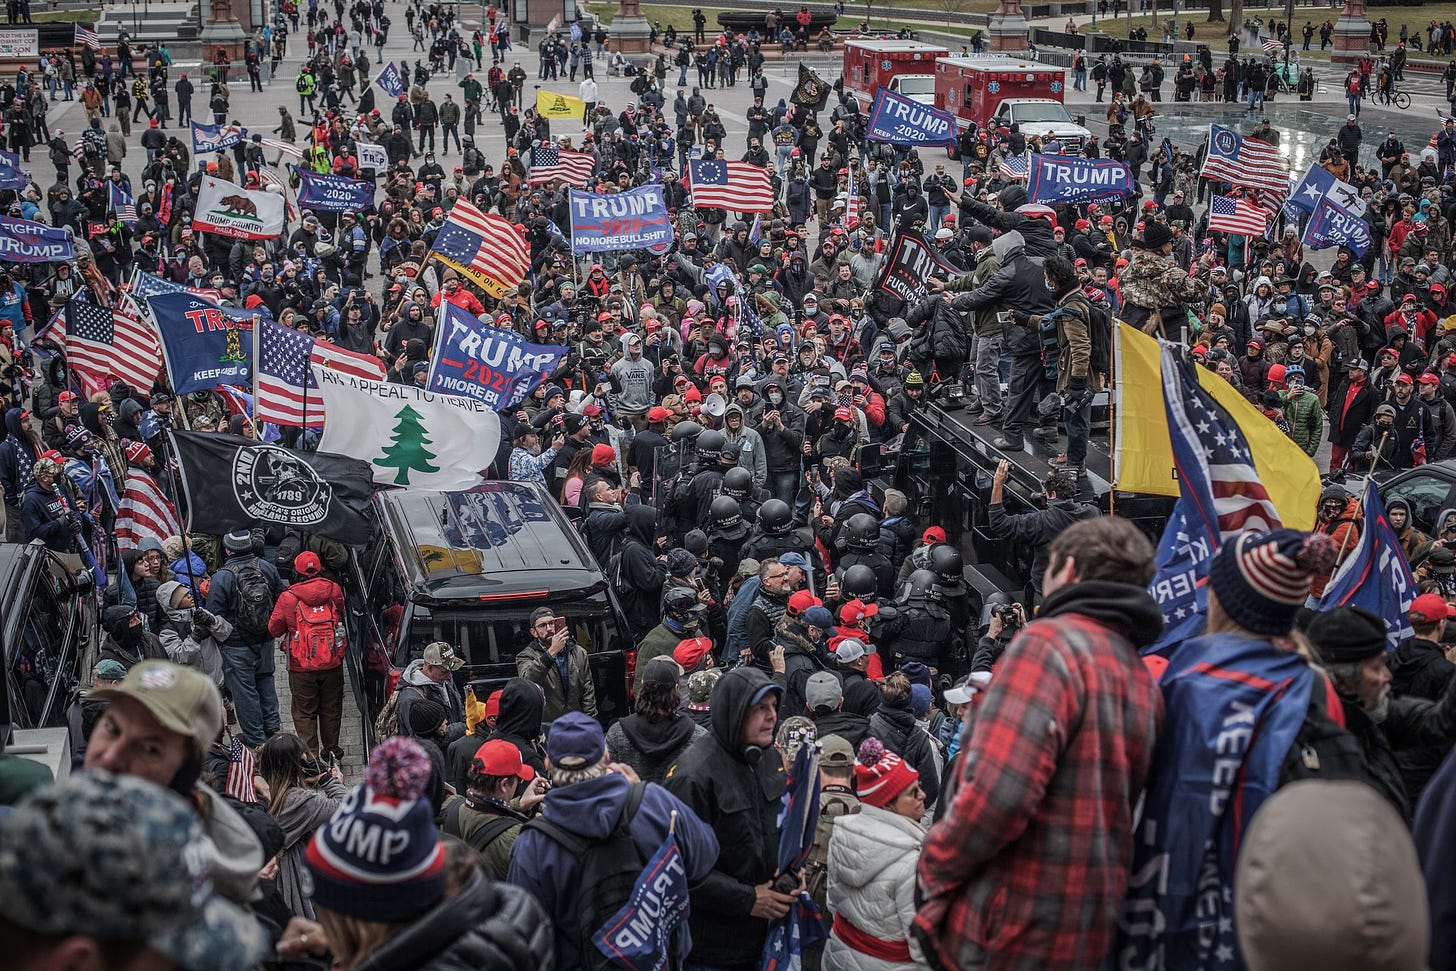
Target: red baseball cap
[
  {"x": 933, "y": 534},
  {"x": 843, "y": 414},
  {"x": 592, "y": 411},
  {"x": 657, "y": 413},
  {"x": 500, "y": 758},
  {"x": 1403, "y": 378},
  {"x": 603, "y": 455},
  {"x": 689, "y": 653},
  {"x": 1429, "y": 608},
  {"x": 1429, "y": 378},
  {"x": 65, "y": 396},
  {"x": 801, "y": 601},
  {"x": 855, "y": 611}
]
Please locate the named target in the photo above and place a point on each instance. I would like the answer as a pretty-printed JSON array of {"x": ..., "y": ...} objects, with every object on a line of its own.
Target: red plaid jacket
[{"x": 1028, "y": 867}]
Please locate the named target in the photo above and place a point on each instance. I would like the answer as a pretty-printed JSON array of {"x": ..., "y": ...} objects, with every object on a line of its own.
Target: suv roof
[{"x": 500, "y": 540}]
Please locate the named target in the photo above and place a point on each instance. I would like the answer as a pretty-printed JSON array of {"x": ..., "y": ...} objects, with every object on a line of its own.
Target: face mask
[{"x": 775, "y": 397}]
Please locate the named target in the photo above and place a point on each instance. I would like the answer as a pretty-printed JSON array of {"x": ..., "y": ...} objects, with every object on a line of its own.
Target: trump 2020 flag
[
  {"x": 332, "y": 193},
  {"x": 639, "y": 936},
  {"x": 12, "y": 176},
  {"x": 490, "y": 364},
  {"x": 389, "y": 80},
  {"x": 1319, "y": 183},
  {"x": 798, "y": 820},
  {"x": 410, "y": 437},
  {"x": 904, "y": 121},
  {"x": 1057, "y": 179},
  {"x": 203, "y": 344},
  {"x": 1375, "y": 574},
  {"x": 214, "y": 138},
  {"x": 1334, "y": 225}
]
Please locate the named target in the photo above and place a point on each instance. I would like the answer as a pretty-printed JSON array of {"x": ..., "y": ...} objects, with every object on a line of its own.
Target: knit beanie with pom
[
  {"x": 881, "y": 775},
  {"x": 1262, "y": 578},
  {"x": 380, "y": 858}
]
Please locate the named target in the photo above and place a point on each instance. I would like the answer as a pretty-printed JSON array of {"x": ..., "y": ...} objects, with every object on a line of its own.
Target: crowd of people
[{"x": 722, "y": 432}]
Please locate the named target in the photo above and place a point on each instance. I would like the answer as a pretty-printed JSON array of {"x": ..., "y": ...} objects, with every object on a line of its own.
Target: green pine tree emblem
[{"x": 408, "y": 449}]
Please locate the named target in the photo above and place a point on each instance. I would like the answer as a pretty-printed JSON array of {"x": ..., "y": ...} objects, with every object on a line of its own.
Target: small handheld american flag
[{"x": 242, "y": 767}]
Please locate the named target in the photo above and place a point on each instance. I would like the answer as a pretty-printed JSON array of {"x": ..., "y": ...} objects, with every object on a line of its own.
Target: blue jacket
[
  {"x": 737, "y": 638},
  {"x": 1436, "y": 845},
  {"x": 222, "y": 595},
  {"x": 543, "y": 868}
]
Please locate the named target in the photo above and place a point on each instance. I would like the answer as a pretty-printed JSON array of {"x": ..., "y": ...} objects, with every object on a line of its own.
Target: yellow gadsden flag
[
  {"x": 549, "y": 104},
  {"x": 1143, "y": 456}
]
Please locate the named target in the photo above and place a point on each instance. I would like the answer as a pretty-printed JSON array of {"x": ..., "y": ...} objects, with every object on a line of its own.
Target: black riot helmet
[
  {"x": 686, "y": 431},
  {"x": 775, "y": 517},
  {"x": 710, "y": 443},
  {"x": 738, "y": 483},
  {"x": 862, "y": 533},
  {"x": 726, "y": 518},
  {"x": 946, "y": 564},
  {"x": 922, "y": 586},
  {"x": 858, "y": 583}
]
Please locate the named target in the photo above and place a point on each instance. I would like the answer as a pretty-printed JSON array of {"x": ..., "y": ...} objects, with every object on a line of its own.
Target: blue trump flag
[
  {"x": 389, "y": 80},
  {"x": 1233, "y": 706},
  {"x": 904, "y": 121},
  {"x": 1375, "y": 574},
  {"x": 1062, "y": 178},
  {"x": 204, "y": 345},
  {"x": 635, "y": 219},
  {"x": 332, "y": 193},
  {"x": 490, "y": 364},
  {"x": 1334, "y": 225},
  {"x": 11, "y": 174},
  {"x": 215, "y": 138},
  {"x": 798, "y": 820},
  {"x": 639, "y": 936},
  {"x": 1319, "y": 183},
  {"x": 24, "y": 241}
]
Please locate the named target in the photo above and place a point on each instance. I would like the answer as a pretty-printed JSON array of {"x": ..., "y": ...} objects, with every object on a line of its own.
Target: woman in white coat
[{"x": 872, "y": 857}]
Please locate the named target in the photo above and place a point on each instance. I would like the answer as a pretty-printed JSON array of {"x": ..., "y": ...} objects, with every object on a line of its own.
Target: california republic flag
[
  {"x": 410, "y": 437},
  {"x": 231, "y": 210}
]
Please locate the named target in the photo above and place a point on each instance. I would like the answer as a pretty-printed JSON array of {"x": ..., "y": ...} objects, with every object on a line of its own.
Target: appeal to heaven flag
[
  {"x": 1143, "y": 454},
  {"x": 410, "y": 437}
]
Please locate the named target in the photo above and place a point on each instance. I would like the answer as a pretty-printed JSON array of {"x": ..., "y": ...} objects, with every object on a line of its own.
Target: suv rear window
[{"x": 494, "y": 636}]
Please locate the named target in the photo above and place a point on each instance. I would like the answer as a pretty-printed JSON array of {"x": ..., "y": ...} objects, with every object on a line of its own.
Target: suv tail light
[
  {"x": 392, "y": 680},
  {"x": 630, "y": 657}
]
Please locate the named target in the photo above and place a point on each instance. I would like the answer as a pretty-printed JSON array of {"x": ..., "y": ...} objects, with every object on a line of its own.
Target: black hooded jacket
[
  {"x": 519, "y": 722},
  {"x": 642, "y": 574},
  {"x": 737, "y": 791},
  {"x": 1037, "y": 232}
]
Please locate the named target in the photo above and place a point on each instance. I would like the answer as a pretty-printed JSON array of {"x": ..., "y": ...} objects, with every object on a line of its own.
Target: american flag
[
  {"x": 1221, "y": 495},
  {"x": 1244, "y": 161},
  {"x": 121, "y": 203},
  {"x": 851, "y": 204},
  {"x": 1229, "y": 215},
  {"x": 101, "y": 344},
  {"x": 287, "y": 148},
  {"x": 267, "y": 177},
  {"x": 145, "y": 512},
  {"x": 242, "y": 767},
  {"x": 287, "y": 393},
  {"x": 486, "y": 248},
  {"x": 550, "y": 163},
  {"x": 1271, "y": 45},
  {"x": 737, "y": 186},
  {"x": 87, "y": 38},
  {"x": 1013, "y": 167},
  {"x": 144, "y": 285}
]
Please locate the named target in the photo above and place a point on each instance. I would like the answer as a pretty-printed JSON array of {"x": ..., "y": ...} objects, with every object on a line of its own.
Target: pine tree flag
[{"x": 411, "y": 438}]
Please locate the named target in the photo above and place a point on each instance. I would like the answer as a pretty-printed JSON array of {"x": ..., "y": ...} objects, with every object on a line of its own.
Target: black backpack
[
  {"x": 484, "y": 834},
  {"x": 1322, "y": 748},
  {"x": 1099, "y": 326},
  {"x": 606, "y": 871},
  {"x": 254, "y": 600}
]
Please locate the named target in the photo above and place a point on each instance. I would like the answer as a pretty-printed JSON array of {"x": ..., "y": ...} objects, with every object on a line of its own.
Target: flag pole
[{"x": 257, "y": 342}]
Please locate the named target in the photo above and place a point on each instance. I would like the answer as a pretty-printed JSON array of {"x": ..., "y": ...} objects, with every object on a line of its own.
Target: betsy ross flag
[
  {"x": 737, "y": 186},
  {"x": 1247, "y": 162},
  {"x": 287, "y": 393},
  {"x": 87, "y": 38},
  {"x": 1229, "y": 215},
  {"x": 488, "y": 250},
  {"x": 145, "y": 513},
  {"x": 549, "y": 163},
  {"x": 1013, "y": 167},
  {"x": 1222, "y": 496},
  {"x": 121, "y": 203},
  {"x": 101, "y": 344},
  {"x": 242, "y": 767}
]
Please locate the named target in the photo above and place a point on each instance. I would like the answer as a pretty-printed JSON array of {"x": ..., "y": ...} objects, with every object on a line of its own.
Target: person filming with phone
[{"x": 557, "y": 664}]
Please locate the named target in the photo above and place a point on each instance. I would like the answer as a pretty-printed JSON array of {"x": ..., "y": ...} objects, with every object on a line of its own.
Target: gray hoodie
[
  {"x": 751, "y": 456},
  {"x": 632, "y": 383},
  {"x": 186, "y": 636}
]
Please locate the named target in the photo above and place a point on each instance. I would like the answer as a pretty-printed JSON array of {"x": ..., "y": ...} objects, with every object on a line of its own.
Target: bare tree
[
  {"x": 1236, "y": 16},
  {"x": 1215, "y": 11}
]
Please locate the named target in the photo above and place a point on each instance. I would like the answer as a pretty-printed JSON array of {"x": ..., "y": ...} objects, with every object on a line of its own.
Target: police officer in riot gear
[
  {"x": 923, "y": 632},
  {"x": 727, "y": 532},
  {"x": 774, "y": 536},
  {"x": 738, "y": 483},
  {"x": 948, "y": 566},
  {"x": 862, "y": 548},
  {"x": 678, "y": 515}
]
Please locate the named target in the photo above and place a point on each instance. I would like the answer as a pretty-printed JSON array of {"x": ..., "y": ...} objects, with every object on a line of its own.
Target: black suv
[
  {"x": 468, "y": 568},
  {"x": 48, "y": 632}
]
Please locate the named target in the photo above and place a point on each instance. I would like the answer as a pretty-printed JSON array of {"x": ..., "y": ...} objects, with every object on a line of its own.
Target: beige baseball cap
[
  {"x": 181, "y": 699},
  {"x": 443, "y": 655}
]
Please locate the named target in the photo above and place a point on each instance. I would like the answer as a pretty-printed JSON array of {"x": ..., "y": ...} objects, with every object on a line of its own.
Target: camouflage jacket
[{"x": 1152, "y": 281}]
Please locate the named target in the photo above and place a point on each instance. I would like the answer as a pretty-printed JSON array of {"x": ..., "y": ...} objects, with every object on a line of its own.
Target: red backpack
[{"x": 317, "y": 642}]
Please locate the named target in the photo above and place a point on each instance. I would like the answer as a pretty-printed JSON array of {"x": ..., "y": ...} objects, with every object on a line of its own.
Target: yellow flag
[
  {"x": 549, "y": 104},
  {"x": 1143, "y": 457}
]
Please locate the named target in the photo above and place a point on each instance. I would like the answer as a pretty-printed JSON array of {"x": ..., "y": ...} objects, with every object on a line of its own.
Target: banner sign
[
  {"x": 1318, "y": 183},
  {"x": 215, "y": 138},
  {"x": 333, "y": 193},
  {"x": 230, "y": 210},
  {"x": 24, "y": 44},
  {"x": 12, "y": 176},
  {"x": 1063, "y": 179},
  {"x": 635, "y": 219},
  {"x": 1376, "y": 575},
  {"x": 23, "y": 241},
  {"x": 204, "y": 344},
  {"x": 489, "y": 364},
  {"x": 905, "y": 121},
  {"x": 389, "y": 80},
  {"x": 1334, "y": 225},
  {"x": 911, "y": 262},
  {"x": 372, "y": 156}
]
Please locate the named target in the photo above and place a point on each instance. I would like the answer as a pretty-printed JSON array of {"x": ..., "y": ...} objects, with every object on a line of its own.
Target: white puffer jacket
[{"x": 872, "y": 857}]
